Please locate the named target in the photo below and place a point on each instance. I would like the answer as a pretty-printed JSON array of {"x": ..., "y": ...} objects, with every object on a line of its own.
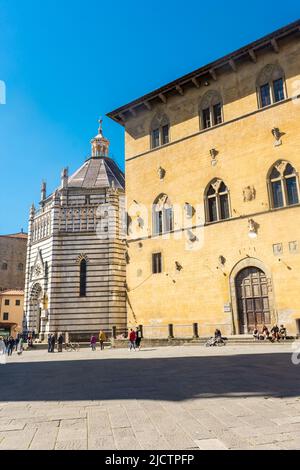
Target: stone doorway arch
[
  {"x": 252, "y": 297},
  {"x": 35, "y": 302}
]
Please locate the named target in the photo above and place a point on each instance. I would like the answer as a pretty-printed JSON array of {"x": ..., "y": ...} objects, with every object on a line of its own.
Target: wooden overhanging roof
[{"x": 205, "y": 74}]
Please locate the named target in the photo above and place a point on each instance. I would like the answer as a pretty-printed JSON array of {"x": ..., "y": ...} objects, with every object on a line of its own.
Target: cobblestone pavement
[{"x": 188, "y": 397}]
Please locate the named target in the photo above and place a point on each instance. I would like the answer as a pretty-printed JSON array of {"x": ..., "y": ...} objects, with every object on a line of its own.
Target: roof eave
[{"x": 207, "y": 71}]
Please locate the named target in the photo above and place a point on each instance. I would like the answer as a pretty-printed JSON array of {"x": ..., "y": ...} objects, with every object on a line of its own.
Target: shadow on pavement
[{"x": 172, "y": 379}]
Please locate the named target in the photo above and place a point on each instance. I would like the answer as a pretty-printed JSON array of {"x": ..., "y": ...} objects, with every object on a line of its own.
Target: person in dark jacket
[
  {"x": 53, "y": 341},
  {"x": 49, "y": 342},
  {"x": 60, "y": 342},
  {"x": 11, "y": 344},
  {"x": 138, "y": 338},
  {"x": 275, "y": 333}
]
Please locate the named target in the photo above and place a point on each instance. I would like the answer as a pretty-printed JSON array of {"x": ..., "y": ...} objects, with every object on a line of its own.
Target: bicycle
[
  {"x": 72, "y": 347},
  {"x": 220, "y": 341}
]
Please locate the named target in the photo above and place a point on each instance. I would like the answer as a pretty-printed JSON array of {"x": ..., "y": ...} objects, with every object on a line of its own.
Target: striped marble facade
[{"x": 82, "y": 220}]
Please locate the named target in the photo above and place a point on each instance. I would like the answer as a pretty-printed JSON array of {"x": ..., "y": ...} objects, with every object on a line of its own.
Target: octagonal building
[{"x": 75, "y": 273}]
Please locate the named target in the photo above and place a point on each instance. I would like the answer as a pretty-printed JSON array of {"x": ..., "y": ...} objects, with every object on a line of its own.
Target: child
[{"x": 93, "y": 342}]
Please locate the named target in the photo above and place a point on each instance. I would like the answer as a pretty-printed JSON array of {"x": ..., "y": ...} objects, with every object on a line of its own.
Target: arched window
[
  {"x": 211, "y": 109},
  {"x": 283, "y": 185},
  {"x": 217, "y": 201},
  {"x": 270, "y": 85},
  {"x": 82, "y": 289},
  {"x": 20, "y": 267},
  {"x": 160, "y": 129},
  {"x": 162, "y": 215},
  {"x": 4, "y": 266}
]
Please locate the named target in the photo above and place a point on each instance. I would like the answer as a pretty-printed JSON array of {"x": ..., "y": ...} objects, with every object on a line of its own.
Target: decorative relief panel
[
  {"x": 294, "y": 247},
  {"x": 249, "y": 193},
  {"x": 277, "y": 249}
]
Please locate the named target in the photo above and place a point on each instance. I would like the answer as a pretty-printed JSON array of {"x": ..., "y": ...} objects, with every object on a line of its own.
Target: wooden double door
[{"x": 253, "y": 299}]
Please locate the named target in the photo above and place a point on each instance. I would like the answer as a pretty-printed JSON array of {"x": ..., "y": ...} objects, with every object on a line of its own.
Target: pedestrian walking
[
  {"x": 132, "y": 338},
  {"x": 53, "y": 341},
  {"x": 49, "y": 342},
  {"x": 60, "y": 342},
  {"x": 93, "y": 342},
  {"x": 20, "y": 346},
  {"x": 2, "y": 351},
  {"x": 11, "y": 345},
  {"x": 102, "y": 338},
  {"x": 138, "y": 338}
]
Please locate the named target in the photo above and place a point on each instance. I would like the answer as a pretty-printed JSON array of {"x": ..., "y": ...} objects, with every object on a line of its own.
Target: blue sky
[{"x": 67, "y": 62}]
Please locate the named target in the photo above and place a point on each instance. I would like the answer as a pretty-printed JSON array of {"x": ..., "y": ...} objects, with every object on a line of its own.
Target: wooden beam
[
  {"x": 213, "y": 74},
  {"x": 275, "y": 45},
  {"x": 232, "y": 65},
  {"x": 195, "y": 82},
  {"x": 253, "y": 55},
  {"x": 122, "y": 117},
  {"x": 179, "y": 89},
  {"x": 148, "y": 105},
  {"x": 163, "y": 98},
  {"x": 133, "y": 112}
]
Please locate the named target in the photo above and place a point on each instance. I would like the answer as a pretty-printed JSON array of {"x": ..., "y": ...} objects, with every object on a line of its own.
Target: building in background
[
  {"x": 13, "y": 261},
  {"x": 11, "y": 312},
  {"x": 212, "y": 185},
  {"x": 75, "y": 274}
]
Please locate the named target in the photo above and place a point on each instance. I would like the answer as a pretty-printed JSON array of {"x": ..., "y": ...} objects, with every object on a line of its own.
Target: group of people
[
  {"x": 8, "y": 345},
  {"x": 52, "y": 339},
  {"x": 102, "y": 339},
  {"x": 135, "y": 338},
  {"x": 275, "y": 334}
]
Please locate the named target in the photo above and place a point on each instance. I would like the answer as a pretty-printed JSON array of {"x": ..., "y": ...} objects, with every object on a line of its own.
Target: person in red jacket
[{"x": 132, "y": 338}]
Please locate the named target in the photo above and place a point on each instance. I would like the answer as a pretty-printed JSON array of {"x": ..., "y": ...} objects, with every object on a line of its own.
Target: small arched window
[
  {"x": 160, "y": 129},
  {"x": 4, "y": 266},
  {"x": 211, "y": 110},
  {"x": 162, "y": 215},
  {"x": 82, "y": 289},
  {"x": 283, "y": 185},
  {"x": 217, "y": 201},
  {"x": 270, "y": 85}
]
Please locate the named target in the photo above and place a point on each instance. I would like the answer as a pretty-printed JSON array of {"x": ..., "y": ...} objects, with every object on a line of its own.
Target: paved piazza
[{"x": 188, "y": 397}]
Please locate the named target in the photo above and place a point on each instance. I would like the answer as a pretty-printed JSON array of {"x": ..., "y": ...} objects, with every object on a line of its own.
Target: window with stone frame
[
  {"x": 5, "y": 316},
  {"x": 160, "y": 130},
  {"x": 156, "y": 263},
  {"x": 217, "y": 201},
  {"x": 163, "y": 216},
  {"x": 270, "y": 85},
  {"x": 211, "y": 110},
  {"x": 283, "y": 185},
  {"x": 6, "y": 302}
]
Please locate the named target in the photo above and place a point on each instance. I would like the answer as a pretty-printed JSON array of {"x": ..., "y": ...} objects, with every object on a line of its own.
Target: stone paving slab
[{"x": 172, "y": 398}]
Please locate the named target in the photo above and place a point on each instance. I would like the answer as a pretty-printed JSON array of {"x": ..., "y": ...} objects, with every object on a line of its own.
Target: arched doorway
[
  {"x": 252, "y": 296},
  {"x": 252, "y": 299},
  {"x": 36, "y": 298}
]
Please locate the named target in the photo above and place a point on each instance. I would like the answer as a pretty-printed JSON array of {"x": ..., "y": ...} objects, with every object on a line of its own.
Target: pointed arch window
[
  {"x": 211, "y": 110},
  {"x": 82, "y": 288},
  {"x": 217, "y": 201},
  {"x": 160, "y": 130},
  {"x": 270, "y": 85},
  {"x": 163, "y": 217},
  {"x": 283, "y": 185}
]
